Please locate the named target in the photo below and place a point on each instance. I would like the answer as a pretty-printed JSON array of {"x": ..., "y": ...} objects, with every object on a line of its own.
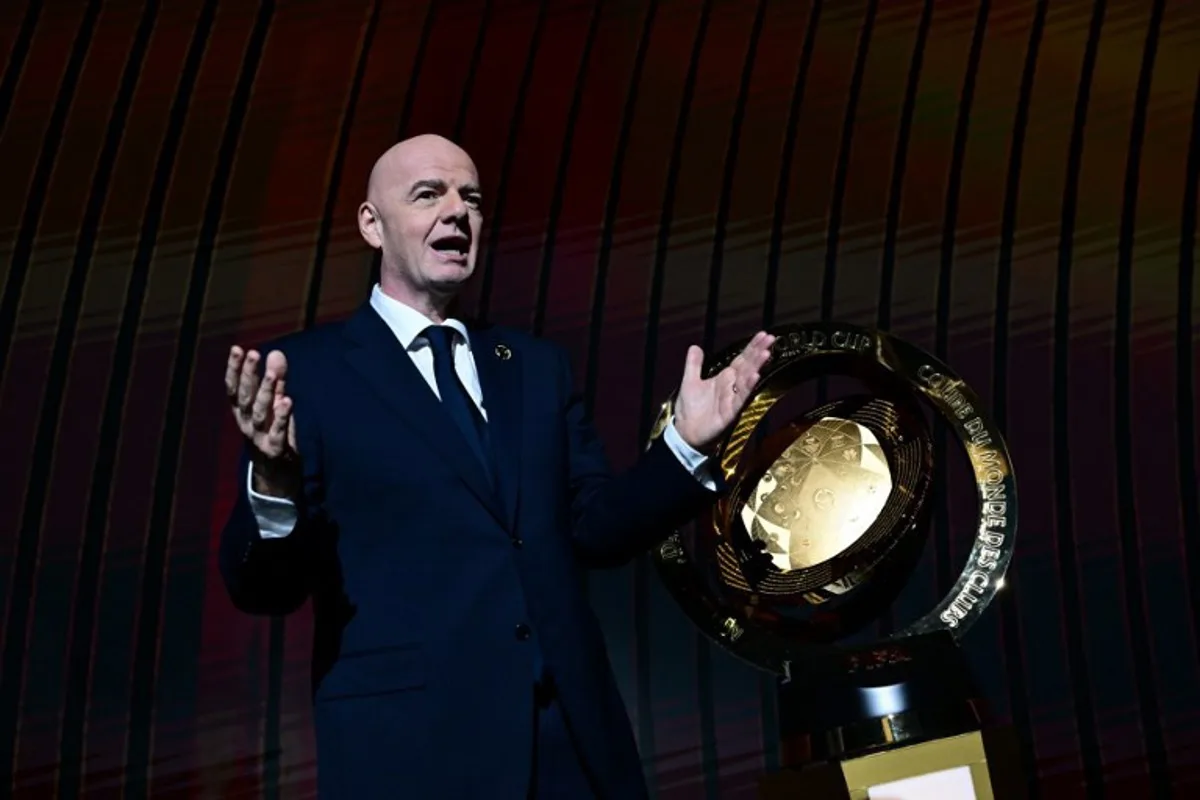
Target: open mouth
[{"x": 452, "y": 248}]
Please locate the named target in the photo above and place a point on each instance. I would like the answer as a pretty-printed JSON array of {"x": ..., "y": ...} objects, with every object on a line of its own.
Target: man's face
[{"x": 426, "y": 217}]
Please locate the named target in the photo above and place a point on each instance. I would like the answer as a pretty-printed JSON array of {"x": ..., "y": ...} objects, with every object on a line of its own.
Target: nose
[{"x": 453, "y": 207}]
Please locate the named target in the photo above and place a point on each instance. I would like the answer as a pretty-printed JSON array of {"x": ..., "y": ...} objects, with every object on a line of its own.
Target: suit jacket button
[
  {"x": 517, "y": 543},
  {"x": 522, "y": 631}
]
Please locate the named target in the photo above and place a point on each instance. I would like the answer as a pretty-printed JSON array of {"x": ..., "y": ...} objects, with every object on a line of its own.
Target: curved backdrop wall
[{"x": 1011, "y": 185}]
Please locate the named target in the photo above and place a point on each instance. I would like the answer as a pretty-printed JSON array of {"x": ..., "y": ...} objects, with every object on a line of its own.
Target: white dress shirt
[{"x": 277, "y": 516}]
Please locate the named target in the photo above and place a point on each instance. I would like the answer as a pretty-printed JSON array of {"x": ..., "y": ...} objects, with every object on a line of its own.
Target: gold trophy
[{"x": 824, "y": 516}]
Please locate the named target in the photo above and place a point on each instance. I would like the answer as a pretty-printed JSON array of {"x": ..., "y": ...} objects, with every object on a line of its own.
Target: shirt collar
[{"x": 406, "y": 322}]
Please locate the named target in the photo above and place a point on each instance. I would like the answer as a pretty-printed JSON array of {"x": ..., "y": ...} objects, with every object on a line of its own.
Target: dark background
[{"x": 1011, "y": 185}]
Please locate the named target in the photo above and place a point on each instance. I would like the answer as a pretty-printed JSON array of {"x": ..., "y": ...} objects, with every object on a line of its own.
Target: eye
[
  {"x": 426, "y": 194},
  {"x": 473, "y": 200}
]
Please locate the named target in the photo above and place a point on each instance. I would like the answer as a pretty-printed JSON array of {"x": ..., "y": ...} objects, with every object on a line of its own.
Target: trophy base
[
  {"x": 980, "y": 765},
  {"x": 860, "y": 720}
]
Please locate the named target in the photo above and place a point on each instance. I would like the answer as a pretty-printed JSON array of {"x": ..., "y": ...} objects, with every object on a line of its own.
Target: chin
[
  {"x": 447, "y": 282},
  {"x": 443, "y": 270}
]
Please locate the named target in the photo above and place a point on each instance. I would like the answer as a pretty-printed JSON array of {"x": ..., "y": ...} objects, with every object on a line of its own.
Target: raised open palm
[
  {"x": 263, "y": 412},
  {"x": 706, "y": 407}
]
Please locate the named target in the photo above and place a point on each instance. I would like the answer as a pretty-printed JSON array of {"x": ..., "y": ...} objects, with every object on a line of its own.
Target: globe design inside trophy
[
  {"x": 825, "y": 515},
  {"x": 820, "y": 496}
]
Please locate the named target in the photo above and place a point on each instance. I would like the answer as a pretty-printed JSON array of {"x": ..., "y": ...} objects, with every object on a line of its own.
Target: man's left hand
[{"x": 706, "y": 407}]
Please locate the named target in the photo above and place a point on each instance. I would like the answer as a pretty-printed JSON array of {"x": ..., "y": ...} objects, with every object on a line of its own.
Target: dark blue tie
[{"x": 455, "y": 400}]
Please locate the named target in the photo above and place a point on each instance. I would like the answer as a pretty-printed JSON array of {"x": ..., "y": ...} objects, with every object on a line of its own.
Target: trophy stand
[{"x": 890, "y": 721}]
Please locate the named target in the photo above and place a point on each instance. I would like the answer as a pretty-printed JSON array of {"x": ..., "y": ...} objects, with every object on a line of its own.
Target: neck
[{"x": 432, "y": 307}]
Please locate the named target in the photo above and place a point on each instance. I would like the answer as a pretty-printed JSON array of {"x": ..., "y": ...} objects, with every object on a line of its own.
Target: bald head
[
  {"x": 423, "y": 211},
  {"x": 411, "y": 156}
]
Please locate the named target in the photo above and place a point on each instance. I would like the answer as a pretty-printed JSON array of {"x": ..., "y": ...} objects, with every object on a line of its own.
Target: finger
[
  {"x": 692, "y": 364},
  {"x": 292, "y": 431},
  {"x": 248, "y": 383},
  {"x": 277, "y": 433},
  {"x": 758, "y": 351},
  {"x": 747, "y": 363},
  {"x": 761, "y": 342},
  {"x": 755, "y": 341},
  {"x": 760, "y": 357},
  {"x": 750, "y": 350},
  {"x": 232, "y": 367},
  {"x": 277, "y": 363},
  {"x": 263, "y": 402},
  {"x": 742, "y": 381},
  {"x": 769, "y": 340}
]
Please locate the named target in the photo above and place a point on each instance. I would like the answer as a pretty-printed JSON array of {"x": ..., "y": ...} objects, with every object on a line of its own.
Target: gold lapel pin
[{"x": 503, "y": 352}]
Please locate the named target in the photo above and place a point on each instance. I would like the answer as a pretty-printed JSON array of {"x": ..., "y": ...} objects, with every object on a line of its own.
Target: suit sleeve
[
  {"x": 618, "y": 517},
  {"x": 266, "y": 574}
]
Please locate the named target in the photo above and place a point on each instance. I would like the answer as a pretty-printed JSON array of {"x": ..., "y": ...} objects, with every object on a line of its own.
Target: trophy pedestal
[
  {"x": 982, "y": 765},
  {"x": 892, "y": 721}
]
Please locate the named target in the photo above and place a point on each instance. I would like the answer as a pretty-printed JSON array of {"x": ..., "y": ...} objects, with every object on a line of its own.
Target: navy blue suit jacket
[{"x": 425, "y": 579}]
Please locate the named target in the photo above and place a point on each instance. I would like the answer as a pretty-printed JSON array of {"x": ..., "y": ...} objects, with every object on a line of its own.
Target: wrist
[
  {"x": 691, "y": 440},
  {"x": 679, "y": 436},
  {"x": 272, "y": 479}
]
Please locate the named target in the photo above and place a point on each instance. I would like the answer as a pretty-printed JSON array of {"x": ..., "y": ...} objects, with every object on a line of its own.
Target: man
[{"x": 437, "y": 493}]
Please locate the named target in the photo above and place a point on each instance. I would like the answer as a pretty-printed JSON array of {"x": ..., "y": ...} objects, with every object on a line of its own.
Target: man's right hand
[{"x": 263, "y": 412}]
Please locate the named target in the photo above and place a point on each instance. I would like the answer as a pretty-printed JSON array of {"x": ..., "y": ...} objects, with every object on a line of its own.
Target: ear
[{"x": 369, "y": 224}]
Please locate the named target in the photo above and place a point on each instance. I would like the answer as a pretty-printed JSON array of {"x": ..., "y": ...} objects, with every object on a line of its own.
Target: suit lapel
[
  {"x": 500, "y": 367},
  {"x": 374, "y": 353}
]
